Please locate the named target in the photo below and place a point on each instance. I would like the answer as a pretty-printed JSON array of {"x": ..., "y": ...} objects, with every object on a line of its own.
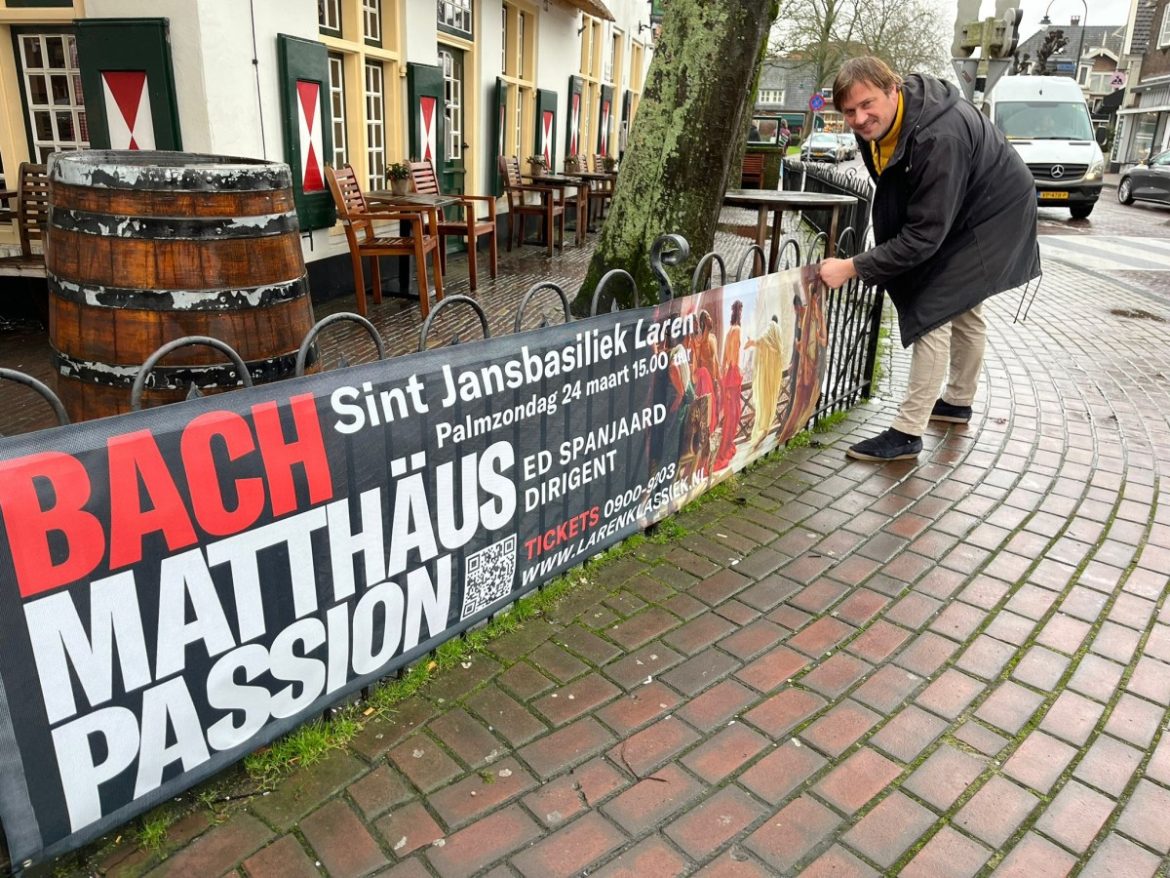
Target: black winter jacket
[{"x": 954, "y": 214}]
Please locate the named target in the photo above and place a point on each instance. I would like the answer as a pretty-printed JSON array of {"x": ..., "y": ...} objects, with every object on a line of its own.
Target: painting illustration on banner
[{"x": 183, "y": 585}]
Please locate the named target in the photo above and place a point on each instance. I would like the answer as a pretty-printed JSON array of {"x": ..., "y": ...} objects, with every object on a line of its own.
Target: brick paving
[{"x": 955, "y": 666}]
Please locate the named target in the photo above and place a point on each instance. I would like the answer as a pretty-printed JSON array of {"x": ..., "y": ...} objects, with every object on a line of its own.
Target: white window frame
[
  {"x": 337, "y": 105},
  {"x": 458, "y": 11},
  {"x": 1164, "y": 31},
  {"x": 73, "y": 104},
  {"x": 329, "y": 15},
  {"x": 453, "y": 101},
  {"x": 375, "y": 98},
  {"x": 372, "y": 21}
]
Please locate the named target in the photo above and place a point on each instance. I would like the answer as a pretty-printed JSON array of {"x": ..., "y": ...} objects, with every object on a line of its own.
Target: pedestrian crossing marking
[{"x": 1108, "y": 252}]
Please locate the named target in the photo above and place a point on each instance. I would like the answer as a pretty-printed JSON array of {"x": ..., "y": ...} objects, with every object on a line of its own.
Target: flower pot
[
  {"x": 535, "y": 169},
  {"x": 400, "y": 187}
]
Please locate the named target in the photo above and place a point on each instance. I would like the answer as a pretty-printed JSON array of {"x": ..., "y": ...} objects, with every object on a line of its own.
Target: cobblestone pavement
[{"x": 952, "y": 667}]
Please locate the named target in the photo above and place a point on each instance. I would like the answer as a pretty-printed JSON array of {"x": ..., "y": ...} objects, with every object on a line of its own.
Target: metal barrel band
[
  {"x": 176, "y": 377},
  {"x": 138, "y": 299},
  {"x": 146, "y": 228}
]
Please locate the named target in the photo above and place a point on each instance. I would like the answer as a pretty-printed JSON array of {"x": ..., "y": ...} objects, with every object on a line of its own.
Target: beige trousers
[{"x": 954, "y": 351}]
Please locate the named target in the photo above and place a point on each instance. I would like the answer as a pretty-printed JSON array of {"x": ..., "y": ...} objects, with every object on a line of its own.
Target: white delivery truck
[{"x": 1045, "y": 118}]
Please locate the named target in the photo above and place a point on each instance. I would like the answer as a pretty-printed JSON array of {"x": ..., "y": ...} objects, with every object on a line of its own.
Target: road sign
[
  {"x": 816, "y": 103},
  {"x": 1117, "y": 80},
  {"x": 967, "y": 70}
]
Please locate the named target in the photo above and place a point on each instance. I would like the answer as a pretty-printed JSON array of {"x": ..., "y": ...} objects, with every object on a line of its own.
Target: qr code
[{"x": 488, "y": 574}]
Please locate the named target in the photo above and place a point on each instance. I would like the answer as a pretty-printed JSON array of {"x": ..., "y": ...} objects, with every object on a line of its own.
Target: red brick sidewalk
[{"x": 952, "y": 668}]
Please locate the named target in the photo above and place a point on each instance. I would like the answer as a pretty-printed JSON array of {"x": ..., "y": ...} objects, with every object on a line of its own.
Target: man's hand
[{"x": 835, "y": 272}]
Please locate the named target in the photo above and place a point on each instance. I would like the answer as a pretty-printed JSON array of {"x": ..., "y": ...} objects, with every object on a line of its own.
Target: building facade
[
  {"x": 364, "y": 82},
  {"x": 1144, "y": 120}
]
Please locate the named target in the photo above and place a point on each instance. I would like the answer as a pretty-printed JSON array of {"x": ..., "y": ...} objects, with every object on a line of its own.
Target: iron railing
[{"x": 817, "y": 177}]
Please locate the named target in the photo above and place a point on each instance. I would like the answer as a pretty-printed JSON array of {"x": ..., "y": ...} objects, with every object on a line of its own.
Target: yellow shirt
[{"x": 882, "y": 150}]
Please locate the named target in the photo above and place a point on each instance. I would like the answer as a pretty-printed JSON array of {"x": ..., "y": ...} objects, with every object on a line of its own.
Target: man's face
[{"x": 869, "y": 111}]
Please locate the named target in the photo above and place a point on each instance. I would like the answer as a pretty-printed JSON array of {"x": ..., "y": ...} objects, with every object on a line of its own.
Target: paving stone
[
  {"x": 782, "y": 771},
  {"x": 850, "y": 785},
  {"x": 424, "y": 761},
  {"x": 566, "y": 747},
  {"x": 887, "y": 688},
  {"x": 702, "y": 670},
  {"x": 505, "y": 716},
  {"x": 652, "y": 801},
  {"x": 341, "y": 841},
  {"x": 837, "y": 862},
  {"x": 735, "y": 863},
  {"x": 836, "y": 675},
  {"x": 637, "y": 708},
  {"x": 750, "y": 640},
  {"x": 948, "y": 854},
  {"x": 994, "y": 813},
  {"x": 821, "y": 636},
  {"x": 983, "y": 739},
  {"x": 560, "y": 800},
  {"x": 306, "y": 789},
  {"x": 643, "y": 752},
  {"x": 466, "y": 737},
  {"x": 772, "y": 670},
  {"x": 926, "y": 653},
  {"x": 878, "y": 642},
  {"x": 1118, "y": 856},
  {"x": 717, "y": 705},
  {"x": 944, "y": 776},
  {"x": 783, "y": 711},
  {"x": 483, "y": 842},
  {"x": 838, "y": 729},
  {"x": 1040, "y": 668},
  {"x": 794, "y": 832},
  {"x": 380, "y": 789},
  {"x": 588, "y": 645},
  {"x": 699, "y": 633},
  {"x": 480, "y": 792},
  {"x": 890, "y": 829},
  {"x": 1144, "y": 817},
  {"x": 1134, "y": 720},
  {"x": 950, "y": 694},
  {"x": 908, "y": 733},
  {"x": 642, "y": 628},
  {"x": 525, "y": 681},
  {"x": 723, "y": 753},
  {"x": 557, "y": 662},
  {"x": 704, "y": 829},
  {"x": 648, "y": 662},
  {"x": 408, "y": 828},
  {"x": 581, "y": 696},
  {"x": 217, "y": 850},
  {"x": 1009, "y": 707},
  {"x": 284, "y": 858},
  {"x": 454, "y": 683},
  {"x": 652, "y": 856},
  {"x": 1039, "y": 761},
  {"x": 1036, "y": 857}
]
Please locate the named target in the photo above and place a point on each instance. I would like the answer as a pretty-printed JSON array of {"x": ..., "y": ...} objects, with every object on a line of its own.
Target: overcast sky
[{"x": 1114, "y": 12}]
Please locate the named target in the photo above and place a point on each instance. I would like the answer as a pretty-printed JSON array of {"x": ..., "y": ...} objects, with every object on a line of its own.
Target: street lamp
[{"x": 1080, "y": 43}]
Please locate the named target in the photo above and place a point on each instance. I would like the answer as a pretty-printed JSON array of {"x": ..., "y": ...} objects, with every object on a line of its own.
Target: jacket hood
[{"x": 925, "y": 99}]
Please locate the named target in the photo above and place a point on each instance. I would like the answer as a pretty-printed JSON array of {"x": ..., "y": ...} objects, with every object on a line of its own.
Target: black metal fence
[{"x": 817, "y": 177}]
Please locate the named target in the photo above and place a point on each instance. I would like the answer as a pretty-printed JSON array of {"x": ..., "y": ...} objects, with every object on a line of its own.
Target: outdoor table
[
  {"x": 561, "y": 181},
  {"x": 777, "y": 202},
  {"x": 411, "y": 201}
]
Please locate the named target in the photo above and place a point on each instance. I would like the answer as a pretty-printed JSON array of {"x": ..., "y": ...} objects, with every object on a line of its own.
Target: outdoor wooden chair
[
  {"x": 751, "y": 174},
  {"x": 31, "y": 212},
  {"x": 601, "y": 192},
  {"x": 358, "y": 219},
  {"x": 422, "y": 175},
  {"x": 551, "y": 206}
]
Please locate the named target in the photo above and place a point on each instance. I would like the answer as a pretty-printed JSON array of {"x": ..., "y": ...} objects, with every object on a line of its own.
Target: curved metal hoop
[
  {"x": 660, "y": 256},
  {"x": 847, "y": 243},
  {"x": 186, "y": 341},
  {"x": 790, "y": 244},
  {"x": 532, "y": 291},
  {"x": 710, "y": 257},
  {"x": 760, "y": 258},
  {"x": 320, "y": 325},
  {"x": 40, "y": 387},
  {"x": 605, "y": 280},
  {"x": 821, "y": 238},
  {"x": 425, "y": 332}
]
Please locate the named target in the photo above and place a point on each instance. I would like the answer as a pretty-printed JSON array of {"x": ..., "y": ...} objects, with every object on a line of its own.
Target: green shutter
[
  {"x": 605, "y": 110},
  {"x": 121, "y": 45},
  {"x": 572, "y": 147},
  {"x": 305, "y": 61},
  {"x": 423, "y": 82},
  {"x": 546, "y": 102},
  {"x": 498, "y": 130}
]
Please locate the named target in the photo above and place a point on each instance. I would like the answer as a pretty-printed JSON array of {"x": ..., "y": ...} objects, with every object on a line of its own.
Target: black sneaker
[
  {"x": 952, "y": 414},
  {"x": 890, "y": 444}
]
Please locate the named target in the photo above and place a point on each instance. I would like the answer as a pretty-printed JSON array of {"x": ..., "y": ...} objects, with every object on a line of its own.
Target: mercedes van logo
[{"x": 1057, "y": 172}]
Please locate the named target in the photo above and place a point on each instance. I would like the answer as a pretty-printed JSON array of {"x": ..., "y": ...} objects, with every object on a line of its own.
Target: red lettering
[
  {"x": 30, "y": 520},
  {"x": 279, "y": 454},
  {"x": 207, "y": 500},
  {"x": 134, "y": 457}
]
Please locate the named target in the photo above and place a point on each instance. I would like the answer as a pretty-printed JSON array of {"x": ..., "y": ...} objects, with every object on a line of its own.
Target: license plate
[{"x": 1054, "y": 196}]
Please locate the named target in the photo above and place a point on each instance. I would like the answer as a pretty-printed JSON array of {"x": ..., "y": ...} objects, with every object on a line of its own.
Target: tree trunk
[{"x": 685, "y": 141}]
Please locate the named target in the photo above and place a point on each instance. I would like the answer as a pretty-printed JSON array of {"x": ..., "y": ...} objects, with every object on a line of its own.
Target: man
[{"x": 954, "y": 218}]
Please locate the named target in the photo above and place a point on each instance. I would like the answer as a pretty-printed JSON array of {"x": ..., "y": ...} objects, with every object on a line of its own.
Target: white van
[{"x": 1045, "y": 118}]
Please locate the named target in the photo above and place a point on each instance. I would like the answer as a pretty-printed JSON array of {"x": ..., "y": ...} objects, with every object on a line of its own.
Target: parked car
[
  {"x": 821, "y": 147},
  {"x": 1149, "y": 181},
  {"x": 848, "y": 145}
]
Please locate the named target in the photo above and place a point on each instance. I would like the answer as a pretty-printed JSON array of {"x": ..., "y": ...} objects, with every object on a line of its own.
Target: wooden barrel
[{"x": 145, "y": 247}]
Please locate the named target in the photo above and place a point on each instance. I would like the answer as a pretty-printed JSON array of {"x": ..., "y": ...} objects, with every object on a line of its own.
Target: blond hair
[{"x": 867, "y": 69}]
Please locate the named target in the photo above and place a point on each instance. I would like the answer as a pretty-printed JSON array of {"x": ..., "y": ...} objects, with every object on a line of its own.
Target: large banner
[{"x": 182, "y": 585}]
